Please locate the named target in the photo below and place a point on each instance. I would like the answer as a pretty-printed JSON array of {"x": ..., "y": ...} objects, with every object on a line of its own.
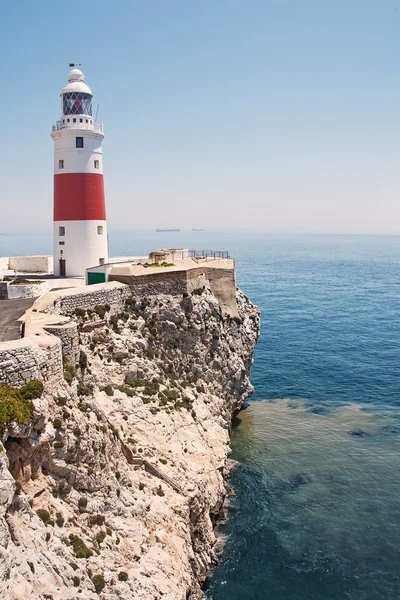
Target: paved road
[{"x": 10, "y": 311}]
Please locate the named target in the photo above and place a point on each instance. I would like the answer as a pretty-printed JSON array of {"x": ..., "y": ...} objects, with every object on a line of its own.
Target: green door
[{"x": 94, "y": 277}]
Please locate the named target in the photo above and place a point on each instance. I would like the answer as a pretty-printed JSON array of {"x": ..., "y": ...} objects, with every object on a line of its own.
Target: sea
[{"x": 314, "y": 512}]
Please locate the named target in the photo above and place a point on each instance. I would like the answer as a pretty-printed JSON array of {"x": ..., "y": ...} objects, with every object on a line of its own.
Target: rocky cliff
[{"x": 114, "y": 484}]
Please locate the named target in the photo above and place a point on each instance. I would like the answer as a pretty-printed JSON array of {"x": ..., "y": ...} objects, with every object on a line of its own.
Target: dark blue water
[{"x": 316, "y": 509}]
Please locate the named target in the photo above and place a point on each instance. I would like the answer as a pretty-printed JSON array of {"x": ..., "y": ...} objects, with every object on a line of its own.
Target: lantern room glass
[{"x": 76, "y": 103}]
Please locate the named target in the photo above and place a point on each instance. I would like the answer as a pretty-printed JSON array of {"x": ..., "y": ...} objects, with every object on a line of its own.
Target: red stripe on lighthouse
[{"x": 79, "y": 197}]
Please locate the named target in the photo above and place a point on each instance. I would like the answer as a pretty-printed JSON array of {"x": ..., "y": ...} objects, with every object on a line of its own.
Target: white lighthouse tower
[{"x": 80, "y": 228}]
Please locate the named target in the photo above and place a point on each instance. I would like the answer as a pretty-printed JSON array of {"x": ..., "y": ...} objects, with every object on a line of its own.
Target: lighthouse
[{"x": 80, "y": 228}]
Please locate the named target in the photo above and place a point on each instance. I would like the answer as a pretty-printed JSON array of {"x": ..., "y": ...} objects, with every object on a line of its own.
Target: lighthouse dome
[
  {"x": 76, "y": 75},
  {"x": 76, "y": 83}
]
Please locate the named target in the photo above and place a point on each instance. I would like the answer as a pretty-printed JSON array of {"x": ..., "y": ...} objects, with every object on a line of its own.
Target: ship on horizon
[
  {"x": 162, "y": 230},
  {"x": 196, "y": 229}
]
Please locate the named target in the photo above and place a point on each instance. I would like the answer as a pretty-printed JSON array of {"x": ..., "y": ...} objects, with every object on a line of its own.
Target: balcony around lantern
[{"x": 91, "y": 125}]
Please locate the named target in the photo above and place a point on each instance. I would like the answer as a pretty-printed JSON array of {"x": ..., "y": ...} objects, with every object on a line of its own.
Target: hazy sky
[{"x": 281, "y": 115}]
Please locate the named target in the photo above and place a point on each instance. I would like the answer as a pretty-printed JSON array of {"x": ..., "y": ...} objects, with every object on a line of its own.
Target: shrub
[
  {"x": 22, "y": 281},
  {"x": 100, "y": 537},
  {"x": 109, "y": 390},
  {"x": 137, "y": 383},
  {"x": 117, "y": 475},
  {"x": 59, "y": 519},
  {"x": 15, "y": 403},
  {"x": 159, "y": 491},
  {"x": 130, "y": 303},
  {"x": 100, "y": 310},
  {"x": 44, "y": 515},
  {"x": 96, "y": 520},
  {"x": 82, "y": 503},
  {"x": 84, "y": 390},
  {"x": 77, "y": 432},
  {"x": 64, "y": 488},
  {"x": 31, "y": 390},
  {"x": 114, "y": 323},
  {"x": 57, "y": 423},
  {"x": 151, "y": 388},
  {"x": 79, "y": 312},
  {"x": 82, "y": 360},
  {"x": 79, "y": 547},
  {"x": 122, "y": 576},
  {"x": 125, "y": 389},
  {"x": 76, "y": 581},
  {"x": 99, "y": 583},
  {"x": 108, "y": 531},
  {"x": 69, "y": 373}
]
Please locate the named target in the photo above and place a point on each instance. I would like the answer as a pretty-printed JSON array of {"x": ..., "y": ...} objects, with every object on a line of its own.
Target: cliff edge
[{"x": 113, "y": 485}]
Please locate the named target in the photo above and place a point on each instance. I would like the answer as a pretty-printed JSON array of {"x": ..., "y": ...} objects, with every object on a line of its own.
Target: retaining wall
[
  {"x": 12, "y": 292},
  {"x": 26, "y": 359},
  {"x": 69, "y": 338},
  {"x": 66, "y": 301}
]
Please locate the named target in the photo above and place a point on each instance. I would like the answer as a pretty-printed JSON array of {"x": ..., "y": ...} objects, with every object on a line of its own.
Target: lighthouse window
[
  {"x": 60, "y": 164},
  {"x": 61, "y": 231},
  {"x": 80, "y": 120},
  {"x": 76, "y": 103},
  {"x": 100, "y": 229},
  {"x": 96, "y": 164},
  {"x": 74, "y": 120},
  {"x": 79, "y": 142},
  {"x": 61, "y": 243}
]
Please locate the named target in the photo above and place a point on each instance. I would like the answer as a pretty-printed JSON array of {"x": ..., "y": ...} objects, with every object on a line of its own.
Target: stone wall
[
  {"x": 67, "y": 301},
  {"x": 69, "y": 337},
  {"x": 26, "y": 359}
]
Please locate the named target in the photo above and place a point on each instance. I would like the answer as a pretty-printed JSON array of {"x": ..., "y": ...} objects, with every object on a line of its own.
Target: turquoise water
[{"x": 315, "y": 514}]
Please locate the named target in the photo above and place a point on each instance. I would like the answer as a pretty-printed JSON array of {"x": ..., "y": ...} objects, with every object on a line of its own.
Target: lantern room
[{"x": 77, "y": 97}]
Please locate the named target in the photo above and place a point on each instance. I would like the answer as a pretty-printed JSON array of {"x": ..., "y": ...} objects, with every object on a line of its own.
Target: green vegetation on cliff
[{"x": 16, "y": 403}]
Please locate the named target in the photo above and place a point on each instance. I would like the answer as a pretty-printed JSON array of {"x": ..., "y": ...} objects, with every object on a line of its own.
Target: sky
[{"x": 275, "y": 115}]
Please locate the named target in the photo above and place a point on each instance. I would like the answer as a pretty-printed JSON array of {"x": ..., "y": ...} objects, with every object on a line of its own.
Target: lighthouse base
[{"x": 79, "y": 245}]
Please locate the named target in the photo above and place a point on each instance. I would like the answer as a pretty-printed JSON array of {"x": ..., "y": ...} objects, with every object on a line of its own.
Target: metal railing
[
  {"x": 208, "y": 254},
  {"x": 88, "y": 126}
]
